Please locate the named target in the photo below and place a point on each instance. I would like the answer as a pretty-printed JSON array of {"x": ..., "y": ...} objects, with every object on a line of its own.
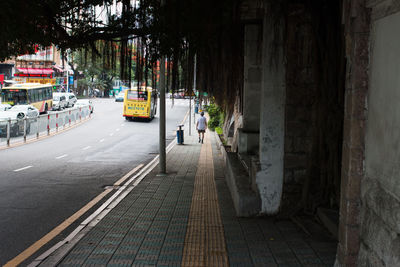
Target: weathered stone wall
[
  {"x": 314, "y": 106},
  {"x": 300, "y": 95},
  {"x": 380, "y": 188}
]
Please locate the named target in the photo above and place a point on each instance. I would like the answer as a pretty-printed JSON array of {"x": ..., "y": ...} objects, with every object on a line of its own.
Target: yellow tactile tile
[{"x": 205, "y": 241}]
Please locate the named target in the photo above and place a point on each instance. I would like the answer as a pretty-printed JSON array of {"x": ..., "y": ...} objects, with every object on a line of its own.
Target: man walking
[{"x": 201, "y": 126}]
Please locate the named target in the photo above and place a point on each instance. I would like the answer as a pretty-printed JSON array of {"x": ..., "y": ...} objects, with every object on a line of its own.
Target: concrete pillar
[
  {"x": 249, "y": 134},
  {"x": 269, "y": 174}
]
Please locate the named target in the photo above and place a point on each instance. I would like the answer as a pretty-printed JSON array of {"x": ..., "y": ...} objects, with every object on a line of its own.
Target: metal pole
[
  {"x": 194, "y": 86},
  {"x": 25, "y": 124},
  {"x": 190, "y": 112},
  {"x": 67, "y": 81},
  {"x": 163, "y": 167},
  {"x": 8, "y": 131}
]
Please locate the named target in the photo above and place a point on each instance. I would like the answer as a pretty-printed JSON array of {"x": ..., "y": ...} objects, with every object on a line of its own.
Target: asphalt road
[{"x": 45, "y": 182}]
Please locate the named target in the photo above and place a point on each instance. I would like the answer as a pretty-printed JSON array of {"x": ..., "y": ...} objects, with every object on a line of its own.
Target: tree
[{"x": 178, "y": 30}]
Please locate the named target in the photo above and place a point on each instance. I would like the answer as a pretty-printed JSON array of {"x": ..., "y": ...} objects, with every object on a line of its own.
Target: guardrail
[{"x": 21, "y": 130}]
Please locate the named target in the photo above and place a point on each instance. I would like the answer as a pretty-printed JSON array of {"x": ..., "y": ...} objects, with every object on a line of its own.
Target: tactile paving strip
[{"x": 204, "y": 241}]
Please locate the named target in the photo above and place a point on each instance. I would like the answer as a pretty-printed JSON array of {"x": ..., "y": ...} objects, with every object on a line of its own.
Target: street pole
[
  {"x": 194, "y": 87},
  {"x": 190, "y": 112},
  {"x": 190, "y": 117},
  {"x": 162, "y": 163}
]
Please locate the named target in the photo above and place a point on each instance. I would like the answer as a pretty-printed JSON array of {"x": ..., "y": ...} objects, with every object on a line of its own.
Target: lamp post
[{"x": 163, "y": 154}]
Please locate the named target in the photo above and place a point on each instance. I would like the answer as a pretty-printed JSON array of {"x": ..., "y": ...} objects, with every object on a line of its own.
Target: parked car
[
  {"x": 178, "y": 95},
  {"x": 120, "y": 97},
  {"x": 28, "y": 110},
  {"x": 85, "y": 102},
  {"x": 17, "y": 114},
  {"x": 71, "y": 99},
  {"x": 4, "y": 107},
  {"x": 59, "y": 101}
]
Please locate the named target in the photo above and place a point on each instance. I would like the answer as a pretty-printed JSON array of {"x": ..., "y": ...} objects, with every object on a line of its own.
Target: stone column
[
  {"x": 270, "y": 173},
  {"x": 357, "y": 31},
  {"x": 249, "y": 134}
]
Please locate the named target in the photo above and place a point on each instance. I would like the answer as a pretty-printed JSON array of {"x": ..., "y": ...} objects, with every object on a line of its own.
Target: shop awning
[
  {"x": 30, "y": 72},
  {"x": 36, "y": 71}
]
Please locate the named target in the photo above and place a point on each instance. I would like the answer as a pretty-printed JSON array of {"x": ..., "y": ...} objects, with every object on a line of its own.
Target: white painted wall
[{"x": 380, "y": 234}]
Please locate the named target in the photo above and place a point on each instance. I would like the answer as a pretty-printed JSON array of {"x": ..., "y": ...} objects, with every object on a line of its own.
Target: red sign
[
  {"x": 1, "y": 78},
  {"x": 33, "y": 75}
]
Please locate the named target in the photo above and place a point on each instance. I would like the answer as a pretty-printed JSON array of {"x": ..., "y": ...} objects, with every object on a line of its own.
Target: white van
[
  {"x": 59, "y": 101},
  {"x": 71, "y": 99}
]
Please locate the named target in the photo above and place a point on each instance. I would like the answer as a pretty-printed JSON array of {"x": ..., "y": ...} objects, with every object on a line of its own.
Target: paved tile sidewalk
[{"x": 154, "y": 225}]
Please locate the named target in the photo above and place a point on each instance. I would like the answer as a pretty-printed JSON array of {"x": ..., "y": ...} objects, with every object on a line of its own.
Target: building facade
[{"x": 315, "y": 129}]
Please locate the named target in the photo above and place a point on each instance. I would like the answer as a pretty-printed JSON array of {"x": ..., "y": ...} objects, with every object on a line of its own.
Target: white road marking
[
  {"x": 102, "y": 140},
  {"x": 24, "y": 168},
  {"x": 111, "y": 134},
  {"x": 122, "y": 125},
  {"x": 86, "y": 148},
  {"x": 117, "y": 130},
  {"x": 62, "y": 156}
]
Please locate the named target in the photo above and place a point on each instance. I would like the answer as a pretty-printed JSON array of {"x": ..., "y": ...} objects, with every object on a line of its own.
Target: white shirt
[{"x": 201, "y": 123}]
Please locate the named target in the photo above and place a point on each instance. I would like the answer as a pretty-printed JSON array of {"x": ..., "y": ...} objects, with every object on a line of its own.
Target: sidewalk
[{"x": 186, "y": 218}]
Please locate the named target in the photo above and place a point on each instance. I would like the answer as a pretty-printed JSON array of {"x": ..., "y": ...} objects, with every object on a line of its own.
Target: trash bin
[
  {"x": 179, "y": 135},
  {"x": 196, "y": 109}
]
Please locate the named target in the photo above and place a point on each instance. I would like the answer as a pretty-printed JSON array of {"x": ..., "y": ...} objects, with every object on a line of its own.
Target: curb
[{"x": 55, "y": 254}]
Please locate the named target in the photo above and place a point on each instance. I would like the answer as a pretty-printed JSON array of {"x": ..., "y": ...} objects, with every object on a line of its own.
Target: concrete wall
[{"x": 380, "y": 189}]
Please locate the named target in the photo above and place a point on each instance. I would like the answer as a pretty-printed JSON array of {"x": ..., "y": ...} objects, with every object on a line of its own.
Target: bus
[
  {"x": 38, "y": 95},
  {"x": 140, "y": 103}
]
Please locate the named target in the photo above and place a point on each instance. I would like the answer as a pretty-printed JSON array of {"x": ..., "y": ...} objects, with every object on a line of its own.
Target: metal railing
[{"x": 21, "y": 130}]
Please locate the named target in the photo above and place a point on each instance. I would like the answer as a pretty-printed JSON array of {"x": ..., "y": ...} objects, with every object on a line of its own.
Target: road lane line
[
  {"x": 86, "y": 148},
  {"x": 184, "y": 119},
  {"x": 24, "y": 168},
  {"x": 56, "y": 231},
  {"x": 126, "y": 176},
  {"x": 111, "y": 134},
  {"x": 102, "y": 140},
  {"x": 62, "y": 156},
  {"x": 122, "y": 125},
  {"x": 117, "y": 130}
]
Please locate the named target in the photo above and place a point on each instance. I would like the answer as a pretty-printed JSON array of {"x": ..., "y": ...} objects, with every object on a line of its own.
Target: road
[{"x": 45, "y": 182}]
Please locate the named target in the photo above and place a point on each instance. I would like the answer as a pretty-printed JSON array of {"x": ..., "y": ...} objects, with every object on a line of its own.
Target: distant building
[{"x": 45, "y": 66}]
